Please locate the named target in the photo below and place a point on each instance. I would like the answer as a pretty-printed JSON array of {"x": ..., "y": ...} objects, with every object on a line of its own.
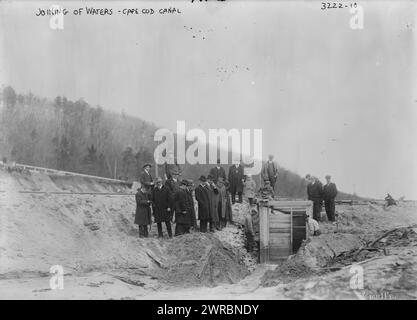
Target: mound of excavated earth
[{"x": 199, "y": 260}]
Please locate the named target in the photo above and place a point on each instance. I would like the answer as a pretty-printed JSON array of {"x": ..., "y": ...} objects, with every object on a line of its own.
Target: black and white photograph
[{"x": 216, "y": 150}]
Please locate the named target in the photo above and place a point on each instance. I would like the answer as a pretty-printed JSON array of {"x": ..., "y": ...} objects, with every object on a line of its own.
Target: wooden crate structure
[{"x": 282, "y": 228}]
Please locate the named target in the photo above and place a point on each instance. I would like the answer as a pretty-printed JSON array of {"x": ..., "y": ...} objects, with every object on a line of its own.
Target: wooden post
[{"x": 263, "y": 234}]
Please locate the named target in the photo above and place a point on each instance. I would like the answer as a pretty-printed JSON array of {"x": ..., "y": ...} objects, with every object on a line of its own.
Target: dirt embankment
[
  {"x": 87, "y": 233},
  {"x": 378, "y": 242}
]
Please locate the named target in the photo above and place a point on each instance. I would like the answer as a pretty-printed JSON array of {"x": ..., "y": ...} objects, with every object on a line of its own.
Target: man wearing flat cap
[
  {"x": 145, "y": 177},
  {"x": 329, "y": 195}
]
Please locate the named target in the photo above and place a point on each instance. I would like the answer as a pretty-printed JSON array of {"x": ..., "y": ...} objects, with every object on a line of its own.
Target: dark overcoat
[
  {"x": 190, "y": 199},
  {"x": 229, "y": 212},
  {"x": 329, "y": 191},
  {"x": 143, "y": 208},
  {"x": 214, "y": 202},
  {"x": 174, "y": 187},
  {"x": 161, "y": 202},
  {"x": 217, "y": 172},
  {"x": 203, "y": 200},
  {"x": 182, "y": 209},
  {"x": 145, "y": 179},
  {"x": 315, "y": 191},
  {"x": 236, "y": 178}
]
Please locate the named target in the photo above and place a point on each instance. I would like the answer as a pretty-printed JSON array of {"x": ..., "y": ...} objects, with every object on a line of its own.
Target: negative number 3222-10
[{"x": 337, "y": 5}]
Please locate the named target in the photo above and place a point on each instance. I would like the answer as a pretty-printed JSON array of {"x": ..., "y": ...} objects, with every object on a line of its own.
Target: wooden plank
[
  {"x": 279, "y": 224},
  {"x": 281, "y": 243},
  {"x": 285, "y": 238},
  {"x": 286, "y": 203},
  {"x": 277, "y": 253},
  {"x": 279, "y": 230},
  {"x": 279, "y": 217}
]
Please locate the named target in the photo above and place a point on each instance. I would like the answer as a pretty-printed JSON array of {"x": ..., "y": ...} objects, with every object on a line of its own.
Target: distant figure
[
  {"x": 203, "y": 199},
  {"x": 236, "y": 181},
  {"x": 145, "y": 177},
  {"x": 161, "y": 205},
  {"x": 252, "y": 229},
  {"x": 183, "y": 219},
  {"x": 329, "y": 194},
  {"x": 389, "y": 201},
  {"x": 315, "y": 194},
  {"x": 143, "y": 211},
  {"x": 249, "y": 189},
  {"x": 270, "y": 171},
  {"x": 217, "y": 172}
]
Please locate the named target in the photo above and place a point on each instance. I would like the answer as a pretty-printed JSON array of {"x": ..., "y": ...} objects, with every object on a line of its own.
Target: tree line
[{"x": 74, "y": 136}]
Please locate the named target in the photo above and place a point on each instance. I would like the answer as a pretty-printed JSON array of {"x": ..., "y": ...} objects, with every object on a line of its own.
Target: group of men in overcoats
[
  {"x": 318, "y": 193},
  {"x": 173, "y": 199}
]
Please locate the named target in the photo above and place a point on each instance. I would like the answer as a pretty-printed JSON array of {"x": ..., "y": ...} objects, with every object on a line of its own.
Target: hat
[
  {"x": 147, "y": 165},
  {"x": 158, "y": 179},
  {"x": 210, "y": 177},
  {"x": 189, "y": 182},
  {"x": 308, "y": 176},
  {"x": 267, "y": 182},
  {"x": 202, "y": 179}
]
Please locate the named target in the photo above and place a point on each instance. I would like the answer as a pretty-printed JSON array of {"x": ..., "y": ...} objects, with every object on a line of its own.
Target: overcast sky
[{"x": 329, "y": 99}]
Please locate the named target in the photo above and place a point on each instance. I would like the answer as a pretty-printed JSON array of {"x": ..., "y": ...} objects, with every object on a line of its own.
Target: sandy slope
[{"x": 94, "y": 239}]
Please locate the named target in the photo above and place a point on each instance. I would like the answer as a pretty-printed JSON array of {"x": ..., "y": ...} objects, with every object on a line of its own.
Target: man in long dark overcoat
[
  {"x": 236, "y": 181},
  {"x": 183, "y": 218},
  {"x": 315, "y": 194},
  {"x": 203, "y": 200},
  {"x": 161, "y": 204},
  {"x": 214, "y": 203},
  {"x": 190, "y": 199},
  {"x": 329, "y": 195},
  {"x": 143, "y": 211}
]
